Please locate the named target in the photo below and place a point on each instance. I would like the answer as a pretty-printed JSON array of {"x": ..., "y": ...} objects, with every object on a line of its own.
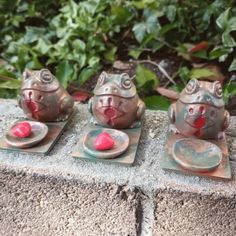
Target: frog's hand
[
  {"x": 141, "y": 109},
  {"x": 226, "y": 120},
  {"x": 90, "y": 104},
  {"x": 171, "y": 113},
  {"x": 66, "y": 105},
  {"x": 19, "y": 101}
]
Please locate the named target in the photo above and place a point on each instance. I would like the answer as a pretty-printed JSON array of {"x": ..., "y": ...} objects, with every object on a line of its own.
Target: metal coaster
[
  {"x": 127, "y": 158},
  {"x": 55, "y": 130},
  {"x": 217, "y": 167}
]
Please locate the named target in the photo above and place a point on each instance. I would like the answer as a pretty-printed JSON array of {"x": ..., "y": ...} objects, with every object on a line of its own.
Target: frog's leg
[
  {"x": 66, "y": 107},
  {"x": 141, "y": 109},
  {"x": 171, "y": 115},
  {"x": 221, "y": 135},
  {"x": 90, "y": 105}
]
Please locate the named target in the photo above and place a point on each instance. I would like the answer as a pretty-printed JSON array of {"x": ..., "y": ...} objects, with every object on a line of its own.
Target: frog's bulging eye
[
  {"x": 46, "y": 76},
  {"x": 217, "y": 88},
  {"x": 192, "y": 86},
  {"x": 126, "y": 81},
  {"x": 102, "y": 78}
]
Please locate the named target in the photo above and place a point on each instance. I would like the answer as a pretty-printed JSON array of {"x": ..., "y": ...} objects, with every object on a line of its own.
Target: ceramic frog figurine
[
  {"x": 116, "y": 103},
  {"x": 42, "y": 98},
  {"x": 199, "y": 111}
]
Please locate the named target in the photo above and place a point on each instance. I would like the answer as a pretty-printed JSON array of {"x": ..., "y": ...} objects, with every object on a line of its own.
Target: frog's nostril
[
  {"x": 201, "y": 109},
  {"x": 109, "y": 101},
  {"x": 40, "y": 97},
  {"x": 30, "y": 94},
  {"x": 190, "y": 110},
  {"x": 212, "y": 113}
]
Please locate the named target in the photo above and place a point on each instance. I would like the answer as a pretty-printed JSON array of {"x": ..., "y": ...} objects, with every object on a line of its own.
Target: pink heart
[
  {"x": 104, "y": 142},
  {"x": 22, "y": 130}
]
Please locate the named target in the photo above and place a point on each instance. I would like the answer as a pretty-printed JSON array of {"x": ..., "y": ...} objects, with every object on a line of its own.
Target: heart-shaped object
[
  {"x": 104, "y": 142},
  {"x": 21, "y": 130}
]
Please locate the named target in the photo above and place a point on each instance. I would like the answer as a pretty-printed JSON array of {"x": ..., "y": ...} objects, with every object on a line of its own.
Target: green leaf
[
  {"x": 86, "y": 74},
  {"x": 135, "y": 53},
  {"x": 218, "y": 52},
  {"x": 33, "y": 34},
  {"x": 10, "y": 84},
  {"x": 64, "y": 72},
  {"x": 121, "y": 14},
  {"x": 228, "y": 40},
  {"x": 233, "y": 65},
  {"x": 157, "y": 103},
  {"x": 171, "y": 13},
  {"x": 145, "y": 78},
  {"x": 198, "y": 73},
  {"x": 139, "y": 31},
  {"x": 42, "y": 47},
  {"x": 222, "y": 20},
  {"x": 110, "y": 55}
]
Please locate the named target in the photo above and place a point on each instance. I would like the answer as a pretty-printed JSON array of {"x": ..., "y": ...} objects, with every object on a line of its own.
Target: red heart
[
  {"x": 104, "y": 142},
  {"x": 21, "y": 130}
]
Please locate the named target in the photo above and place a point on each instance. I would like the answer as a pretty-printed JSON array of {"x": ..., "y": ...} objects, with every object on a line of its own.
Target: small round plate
[
  {"x": 196, "y": 155},
  {"x": 38, "y": 133},
  {"x": 121, "y": 143}
]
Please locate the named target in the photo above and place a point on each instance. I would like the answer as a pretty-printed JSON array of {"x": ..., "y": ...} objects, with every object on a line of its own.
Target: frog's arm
[
  {"x": 171, "y": 113},
  {"x": 67, "y": 104},
  {"x": 90, "y": 104},
  {"x": 19, "y": 101},
  {"x": 226, "y": 120},
  {"x": 141, "y": 109}
]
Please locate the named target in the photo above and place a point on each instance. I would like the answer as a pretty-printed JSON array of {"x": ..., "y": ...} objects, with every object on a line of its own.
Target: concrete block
[
  {"x": 33, "y": 204},
  {"x": 188, "y": 214},
  {"x": 59, "y": 195}
]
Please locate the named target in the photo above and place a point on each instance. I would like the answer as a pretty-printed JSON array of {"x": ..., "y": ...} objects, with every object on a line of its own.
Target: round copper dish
[
  {"x": 196, "y": 155},
  {"x": 121, "y": 143},
  {"x": 38, "y": 133}
]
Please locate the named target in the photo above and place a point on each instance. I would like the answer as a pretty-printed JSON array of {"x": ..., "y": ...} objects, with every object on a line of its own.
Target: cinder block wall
[{"x": 59, "y": 195}]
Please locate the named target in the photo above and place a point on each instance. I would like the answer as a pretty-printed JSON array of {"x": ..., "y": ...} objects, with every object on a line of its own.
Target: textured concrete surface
[
  {"x": 144, "y": 181},
  {"x": 39, "y": 205},
  {"x": 191, "y": 214}
]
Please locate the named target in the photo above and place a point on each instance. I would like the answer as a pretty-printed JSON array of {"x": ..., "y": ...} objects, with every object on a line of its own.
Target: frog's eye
[
  {"x": 126, "y": 81},
  {"x": 46, "y": 76},
  {"x": 26, "y": 74},
  {"x": 217, "y": 89},
  {"x": 102, "y": 78},
  {"x": 192, "y": 86}
]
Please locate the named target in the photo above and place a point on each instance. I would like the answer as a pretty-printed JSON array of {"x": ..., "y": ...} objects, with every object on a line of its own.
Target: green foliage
[
  {"x": 146, "y": 79},
  {"x": 76, "y": 38}
]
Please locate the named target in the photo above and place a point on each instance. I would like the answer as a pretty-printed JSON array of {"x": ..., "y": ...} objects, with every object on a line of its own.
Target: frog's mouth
[
  {"x": 34, "y": 107},
  {"x": 199, "y": 122},
  {"x": 110, "y": 113}
]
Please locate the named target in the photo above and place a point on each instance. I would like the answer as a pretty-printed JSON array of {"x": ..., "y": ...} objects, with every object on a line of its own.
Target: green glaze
[
  {"x": 196, "y": 155},
  {"x": 121, "y": 143}
]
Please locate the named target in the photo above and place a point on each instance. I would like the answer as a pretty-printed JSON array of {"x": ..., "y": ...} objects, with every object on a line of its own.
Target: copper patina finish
[
  {"x": 116, "y": 103},
  {"x": 42, "y": 98}
]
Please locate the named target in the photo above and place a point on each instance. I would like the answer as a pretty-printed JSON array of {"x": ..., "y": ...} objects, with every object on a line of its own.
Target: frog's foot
[
  {"x": 136, "y": 124},
  {"x": 62, "y": 118},
  {"x": 173, "y": 129},
  {"x": 221, "y": 135},
  {"x": 93, "y": 121}
]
